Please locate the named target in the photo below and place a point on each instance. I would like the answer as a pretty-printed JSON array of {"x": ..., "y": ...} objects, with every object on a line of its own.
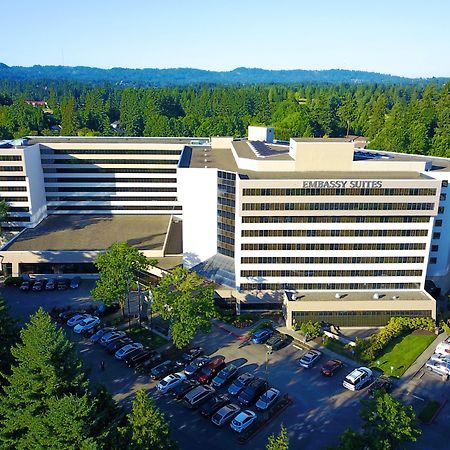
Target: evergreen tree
[
  {"x": 69, "y": 122},
  {"x": 280, "y": 442},
  {"x": 9, "y": 335},
  {"x": 147, "y": 427}
]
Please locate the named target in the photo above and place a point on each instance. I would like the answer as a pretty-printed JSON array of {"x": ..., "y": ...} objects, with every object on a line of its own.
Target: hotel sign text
[{"x": 342, "y": 184}]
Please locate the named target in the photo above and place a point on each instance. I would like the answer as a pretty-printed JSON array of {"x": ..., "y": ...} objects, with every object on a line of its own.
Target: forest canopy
[{"x": 411, "y": 118}]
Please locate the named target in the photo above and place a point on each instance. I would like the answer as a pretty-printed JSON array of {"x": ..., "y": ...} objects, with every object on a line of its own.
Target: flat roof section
[
  {"x": 114, "y": 140},
  {"x": 91, "y": 232}
]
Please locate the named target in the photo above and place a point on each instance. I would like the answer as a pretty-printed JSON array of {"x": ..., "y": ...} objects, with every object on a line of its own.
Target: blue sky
[{"x": 401, "y": 37}]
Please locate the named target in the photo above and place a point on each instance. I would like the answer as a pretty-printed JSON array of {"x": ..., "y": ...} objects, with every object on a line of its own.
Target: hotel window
[
  {"x": 441, "y": 210},
  {"x": 443, "y": 196},
  {"x": 434, "y": 248},
  {"x": 436, "y": 235},
  {"x": 433, "y": 260},
  {"x": 444, "y": 183},
  {"x": 438, "y": 223}
]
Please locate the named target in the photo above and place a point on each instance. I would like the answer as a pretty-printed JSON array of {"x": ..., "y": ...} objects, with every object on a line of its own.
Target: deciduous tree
[{"x": 280, "y": 442}]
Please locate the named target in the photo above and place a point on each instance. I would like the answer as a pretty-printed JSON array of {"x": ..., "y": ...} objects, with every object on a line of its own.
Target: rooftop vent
[
  {"x": 297, "y": 296},
  {"x": 376, "y": 296},
  {"x": 338, "y": 295},
  {"x": 395, "y": 297}
]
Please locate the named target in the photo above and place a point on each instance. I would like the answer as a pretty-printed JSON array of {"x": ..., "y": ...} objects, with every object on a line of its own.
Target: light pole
[{"x": 268, "y": 353}]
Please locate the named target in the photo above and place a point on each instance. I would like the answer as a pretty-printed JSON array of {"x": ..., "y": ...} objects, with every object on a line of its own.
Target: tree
[
  {"x": 147, "y": 427},
  {"x": 69, "y": 120},
  {"x": 183, "y": 298},
  {"x": 9, "y": 334},
  {"x": 4, "y": 209},
  {"x": 280, "y": 442},
  {"x": 352, "y": 440},
  {"x": 388, "y": 422},
  {"x": 45, "y": 403},
  {"x": 116, "y": 268}
]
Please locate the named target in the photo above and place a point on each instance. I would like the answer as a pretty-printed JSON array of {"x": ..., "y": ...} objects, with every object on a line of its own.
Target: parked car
[
  {"x": 196, "y": 365},
  {"x": 262, "y": 335},
  {"x": 50, "y": 285},
  {"x": 268, "y": 399},
  {"x": 330, "y": 367},
  {"x": 148, "y": 363},
  {"x": 198, "y": 396},
  {"x": 309, "y": 358},
  {"x": 183, "y": 388},
  {"x": 161, "y": 370},
  {"x": 146, "y": 356},
  {"x": 124, "y": 351},
  {"x": 117, "y": 344},
  {"x": 169, "y": 382},
  {"x": 439, "y": 366},
  {"x": 75, "y": 282},
  {"x": 38, "y": 285},
  {"x": 382, "y": 383},
  {"x": 357, "y": 379},
  {"x": 252, "y": 391},
  {"x": 133, "y": 353},
  {"x": 100, "y": 333},
  {"x": 239, "y": 384},
  {"x": 225, "y": 414},
  {"x": 61, "y": 285},
  {"x": 111, "y": 336},
  {"x": 214, "y": 404},
  {"x": 210, "y": 370},
  {"x": 225, "y": 376},
  {"x": 277, "y": 341},
  {"x": 443, "y": 348},
  {"x": 76, "y": 319},
  {"x": 86, "y": 324},
  {"x": 188, "y": 356},
  {"x": 243, "y": 420},
  {"x": 103, "y": 309},
  {"x": 26, "y": 285}
]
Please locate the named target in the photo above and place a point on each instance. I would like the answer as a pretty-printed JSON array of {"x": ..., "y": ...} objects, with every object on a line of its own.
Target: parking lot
[{"x": 321, "y": 408}]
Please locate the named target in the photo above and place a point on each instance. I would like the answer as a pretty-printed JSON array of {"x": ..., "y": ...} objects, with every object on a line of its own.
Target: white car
[
  {"x": 243, "y": 420},
  {"x": 267, "y": 399},
  {"x": 76, "y": 319},
  {"x": 124, "y": 351},
  {"x": 357, "y": 379},
  {"x": 172, "y": 380},
  {"x": 86, "y": 324},
  {"x": 441, "y": 366},
  {"x": 309, "y": 358}
]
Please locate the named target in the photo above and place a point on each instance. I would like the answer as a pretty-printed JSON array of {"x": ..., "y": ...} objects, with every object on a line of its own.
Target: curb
[{"x": 233, "y": 333}]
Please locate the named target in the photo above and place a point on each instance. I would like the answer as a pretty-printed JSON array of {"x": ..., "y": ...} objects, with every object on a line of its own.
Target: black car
[
  {"x": 133, "y": 353},
  {"x": 162, "y": 370},
  {"x": 253, "y": 391},
  {"x": 144, "y": 356},
  {"x": 214, "y": 404},
  {"x": 113, "y": 346},
  {"x": 244, "y": 380},
  {"x": 148, "y": 363},
  {"x": 225, "y": 376},
  {"x": 196, "y": 365},
  {"x": 103, "y": 309},
  {"x": 66, "y": 315},
  {"x": 61, "y": 285},
  {"x": 278, "y": 341},
  {"x": 183, "y": 388},
  {"x": 188, "y": 356},
  {"x": 382, "y": 383}
]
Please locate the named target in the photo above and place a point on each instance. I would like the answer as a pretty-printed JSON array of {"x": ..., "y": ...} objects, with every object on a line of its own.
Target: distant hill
[{"x": 184, "y": 76}]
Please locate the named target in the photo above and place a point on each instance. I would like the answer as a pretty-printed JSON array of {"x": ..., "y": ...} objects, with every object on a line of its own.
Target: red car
[
  {"x": 208, "y": 372},
  {"x": 330, "y": 367}
]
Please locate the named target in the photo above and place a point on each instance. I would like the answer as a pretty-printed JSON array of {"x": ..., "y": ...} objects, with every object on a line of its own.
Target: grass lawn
[
  {"x": 145, "y": 336},
  {"x": 339, "y": 347},
  {"x": 402, "y": 352}
]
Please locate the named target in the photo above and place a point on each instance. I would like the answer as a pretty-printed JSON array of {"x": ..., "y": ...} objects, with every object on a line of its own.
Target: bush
[
  {"x": 12, "y": 281},
  {"x": 312, "y": 328},
  {"x": 266, "y": 324},
  {"x": 369, "y": 349}
]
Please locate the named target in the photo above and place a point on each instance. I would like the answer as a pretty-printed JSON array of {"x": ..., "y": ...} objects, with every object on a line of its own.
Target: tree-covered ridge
[
  {"x": 402, "y": 117},
  {"x": 184, "y": 76}
]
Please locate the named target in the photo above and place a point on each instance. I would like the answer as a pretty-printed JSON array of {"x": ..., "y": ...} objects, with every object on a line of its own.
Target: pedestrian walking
[{"x": 102, "y": 366}]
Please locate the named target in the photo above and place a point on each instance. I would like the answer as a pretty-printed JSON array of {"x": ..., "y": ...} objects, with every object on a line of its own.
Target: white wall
[{"x": 197, "y": 192}]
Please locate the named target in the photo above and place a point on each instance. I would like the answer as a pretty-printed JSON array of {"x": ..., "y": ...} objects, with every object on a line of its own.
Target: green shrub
[
  {"x": 445, "y": 327},
  {"x": 12, "y": 281},
  {"x": 312, "y": 328},
  {"x": 428, "y": 411},
  {"x": 266, "y": 324}
]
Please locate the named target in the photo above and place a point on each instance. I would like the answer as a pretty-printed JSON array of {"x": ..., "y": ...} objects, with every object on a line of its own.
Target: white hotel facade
[{"x": 337, "y": 234}]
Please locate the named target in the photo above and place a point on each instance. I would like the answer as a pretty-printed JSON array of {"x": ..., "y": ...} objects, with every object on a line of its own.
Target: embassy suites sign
[{"x": 341, "y": 184}]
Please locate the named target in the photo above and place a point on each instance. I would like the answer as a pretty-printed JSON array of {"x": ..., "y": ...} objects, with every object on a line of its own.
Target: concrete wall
[{"x": 265, "y": 134}]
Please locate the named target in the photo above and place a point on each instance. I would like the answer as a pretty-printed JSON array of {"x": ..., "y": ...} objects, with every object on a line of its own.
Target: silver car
[{"x": 225, "y": 414}]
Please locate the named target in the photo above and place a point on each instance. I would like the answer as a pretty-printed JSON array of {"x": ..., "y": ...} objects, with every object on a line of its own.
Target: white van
[
  {"x": 357, "y": 379},
  {"x": 443, "y": 348}
]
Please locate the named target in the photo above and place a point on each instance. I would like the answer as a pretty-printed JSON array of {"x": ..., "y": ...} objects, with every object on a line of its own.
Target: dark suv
[{"x": 253, "y": 391}]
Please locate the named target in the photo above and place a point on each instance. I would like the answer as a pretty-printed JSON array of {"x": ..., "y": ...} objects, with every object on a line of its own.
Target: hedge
[{"x": 370, "y": 348}]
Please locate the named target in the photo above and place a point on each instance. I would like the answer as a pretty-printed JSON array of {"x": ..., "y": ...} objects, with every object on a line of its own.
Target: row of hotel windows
[
  {"x": 336, "y": 206},
  {"x": 335, "y": 219},
  {"x": 105, "y": 180},
  {"x": 96, "y": 198},
  {"x": 349, "y": 246},
  {"x": 330, "y": 273},
  {"x": 109, "y": 161},
  {"x": 10, "y": 158},
  {"x": 11, "y": 168},
  {"x": 333, "y": 260},
  {"x": 333, "y": 192},
  {"x": 13, "y": 188},
  {"x": 332, "y": 233},
  {"x": 14, "y": 199},
  {"x": 327, "y": 286},
  {"x": 107, "y": 170},
  {"x": 84, "y": 189},
  {"x": 113, "y": 208},
  {"x": 12, "y": 178},
  {"x": 112, "y": 152}
]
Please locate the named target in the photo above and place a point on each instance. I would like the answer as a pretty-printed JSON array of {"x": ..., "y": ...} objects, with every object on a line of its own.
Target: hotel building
[{"x": 335, "y": 233}]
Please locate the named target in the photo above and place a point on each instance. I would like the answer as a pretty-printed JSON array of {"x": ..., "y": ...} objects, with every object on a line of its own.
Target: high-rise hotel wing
[{"x": 346, "y": 235}]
